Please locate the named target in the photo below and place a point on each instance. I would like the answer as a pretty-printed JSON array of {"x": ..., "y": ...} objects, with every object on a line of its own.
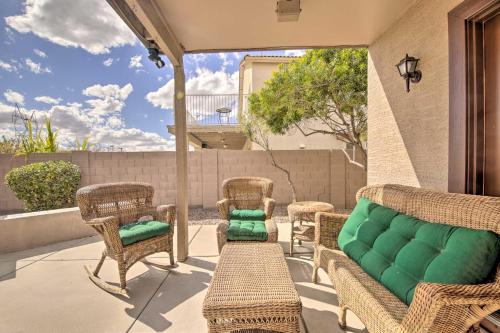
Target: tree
[
  {"x": 323, "y": 92},
  {"x": 258, "y": 132}
]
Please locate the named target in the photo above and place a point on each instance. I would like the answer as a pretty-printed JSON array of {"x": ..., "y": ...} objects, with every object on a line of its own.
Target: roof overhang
[{"x": 194, "y": 26}]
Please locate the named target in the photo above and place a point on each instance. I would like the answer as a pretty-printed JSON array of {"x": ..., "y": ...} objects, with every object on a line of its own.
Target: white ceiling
[{"x": 205, "y": 25}]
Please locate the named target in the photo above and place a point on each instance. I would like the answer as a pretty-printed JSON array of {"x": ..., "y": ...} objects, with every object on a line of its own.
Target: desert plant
[
  {"x": 45, "y": 185},
  {"x": 8, "y": 146},
  {"x": 32, "y": 141},
  {"x": 84, "y": 145}
]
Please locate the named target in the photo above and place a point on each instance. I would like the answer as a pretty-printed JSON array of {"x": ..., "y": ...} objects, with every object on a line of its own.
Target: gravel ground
[{"x": 211, "y": 215}]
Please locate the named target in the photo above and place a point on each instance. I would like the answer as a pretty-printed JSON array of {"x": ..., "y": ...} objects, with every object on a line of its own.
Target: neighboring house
[
  {"x": 213, "y": 119},
  {"x": 254, "y": 72}
]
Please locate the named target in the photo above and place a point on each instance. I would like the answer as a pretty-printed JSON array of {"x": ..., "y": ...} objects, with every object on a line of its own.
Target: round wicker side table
[{"x": 304, "y": 211}]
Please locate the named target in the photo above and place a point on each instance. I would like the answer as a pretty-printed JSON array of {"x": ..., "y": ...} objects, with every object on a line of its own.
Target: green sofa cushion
[
  {"x": 247, "y": 214},
  {"x": 399, "y": 250},
  {"x": 247, "y": 231},
  {"x": 135, "y": 232}
]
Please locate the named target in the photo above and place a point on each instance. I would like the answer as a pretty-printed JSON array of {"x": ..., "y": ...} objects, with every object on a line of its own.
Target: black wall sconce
[{"x": 407, "y": 68}]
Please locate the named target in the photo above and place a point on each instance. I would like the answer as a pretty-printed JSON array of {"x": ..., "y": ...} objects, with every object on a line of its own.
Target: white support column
[{"x": 181, "y": 146}]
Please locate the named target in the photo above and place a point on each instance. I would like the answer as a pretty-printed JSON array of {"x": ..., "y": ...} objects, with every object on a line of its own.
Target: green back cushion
[
  {"x": 247, "y": 231},
  {"x": 247, "y": 214},
  {"x": 135, "y": 232},
  {"x": 399, "y": 251}
]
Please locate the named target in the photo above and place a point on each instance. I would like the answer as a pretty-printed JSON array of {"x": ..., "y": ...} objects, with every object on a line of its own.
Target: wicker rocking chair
[
  {"x": 246, "y": 193},
  {"x": 106, "y": 208}
]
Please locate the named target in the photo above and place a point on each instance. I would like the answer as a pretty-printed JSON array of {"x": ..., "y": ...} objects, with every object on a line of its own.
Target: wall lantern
[{"x": 407, "y": 69}]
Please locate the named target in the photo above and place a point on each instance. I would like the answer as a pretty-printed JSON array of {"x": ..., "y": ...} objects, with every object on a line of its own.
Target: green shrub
[{"x": 45, "y": 185}]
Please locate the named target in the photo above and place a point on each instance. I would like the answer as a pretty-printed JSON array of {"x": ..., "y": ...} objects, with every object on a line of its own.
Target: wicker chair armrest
[
  {"x": 450, "y": 307},
  {"x": 223, "y": 207},
  {"x": 272, "y": 229},
  {"x": 327, "y": 228},
  {"x": 222, "y": 234},
  {"x": 166, "y": 213},
  {"x": 103, "y": 221},
  {"x": 269, "y": 204},
  {"x": 109, "y": 227}
]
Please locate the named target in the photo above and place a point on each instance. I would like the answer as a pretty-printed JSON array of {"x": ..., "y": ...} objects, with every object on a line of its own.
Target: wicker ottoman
[{"x": 252, "y": 289}]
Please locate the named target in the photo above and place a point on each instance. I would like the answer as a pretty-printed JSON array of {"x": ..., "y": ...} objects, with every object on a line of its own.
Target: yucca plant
[
  {"x": 50, "y": 144},
  {"x": 33, "y": 141},
  {"x": 84, "y": 145}
]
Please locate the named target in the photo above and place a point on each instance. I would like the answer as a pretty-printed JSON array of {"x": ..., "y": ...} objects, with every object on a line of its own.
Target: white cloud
[
  {"x": 48, "y": 100},
  {"x": 40, "y": 53},
  {"x": 13, "y": 97},
  {"x": 135, "y": 62},
  {"x": 110, "y": 99},
  {"x": 133, "y": 139},
  {"x": 114, "y": 122},
  {"x": 295, "y": 53},
  {"x": 206, "y": 82},
  {"x": 7, "y": 67},
  {"x": 198, "y": 59},
  {"x": 108, "y": 62},
  {"x": 91, "y": 24},
  {"x": 75, "y": 121},
  {"x": 36, "y": 68},
  {"x": 225, "y": 60}
]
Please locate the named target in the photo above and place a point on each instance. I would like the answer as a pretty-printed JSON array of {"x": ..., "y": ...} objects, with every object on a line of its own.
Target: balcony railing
[{"x": 222, "y": 109}]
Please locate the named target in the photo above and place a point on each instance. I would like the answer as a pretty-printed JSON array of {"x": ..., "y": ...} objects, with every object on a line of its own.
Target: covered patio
[
  {"x": 194, "y": 26},
  {"x": 412, "y": 140}
]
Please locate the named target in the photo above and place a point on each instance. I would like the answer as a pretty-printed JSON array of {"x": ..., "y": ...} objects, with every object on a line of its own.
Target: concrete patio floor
[{"x": 47, "y": 290}]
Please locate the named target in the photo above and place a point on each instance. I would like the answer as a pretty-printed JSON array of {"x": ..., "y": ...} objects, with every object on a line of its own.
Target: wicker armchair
[
  {"x": 435, "y": 307},
  {"x": 106, "y": 207},
  {"x": 246, "y": 193}
]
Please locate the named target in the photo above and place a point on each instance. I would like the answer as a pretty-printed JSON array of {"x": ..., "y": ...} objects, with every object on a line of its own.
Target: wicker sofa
[
  {"x": 246, "y": 193},
  {"x": 435, "y": 307}
]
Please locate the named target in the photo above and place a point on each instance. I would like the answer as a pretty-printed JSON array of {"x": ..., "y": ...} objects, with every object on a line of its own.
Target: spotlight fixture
[
  {"x": 407, "y": 68},
  {"x": 154, "y": 56}
]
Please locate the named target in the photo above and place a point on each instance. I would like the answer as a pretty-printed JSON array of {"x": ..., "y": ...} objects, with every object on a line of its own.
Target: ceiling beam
[{"x": 146, "y": 12}]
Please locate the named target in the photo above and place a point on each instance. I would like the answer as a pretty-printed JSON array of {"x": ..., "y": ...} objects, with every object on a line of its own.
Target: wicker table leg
[{"x": 291, "y": 236}]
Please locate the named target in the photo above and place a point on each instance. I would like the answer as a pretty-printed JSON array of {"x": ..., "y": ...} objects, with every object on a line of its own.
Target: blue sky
[{"x": 91, "y": 76}]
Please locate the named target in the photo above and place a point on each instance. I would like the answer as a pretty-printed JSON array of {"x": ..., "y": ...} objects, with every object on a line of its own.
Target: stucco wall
[
  {"x": 322, "y": 175},
  {"x": 408, "y": 132}
]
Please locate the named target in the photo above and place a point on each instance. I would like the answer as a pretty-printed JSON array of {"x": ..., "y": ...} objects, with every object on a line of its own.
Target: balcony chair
[
  {"x": 122, "y": 213},
  {"x": 250, "y": 201}
]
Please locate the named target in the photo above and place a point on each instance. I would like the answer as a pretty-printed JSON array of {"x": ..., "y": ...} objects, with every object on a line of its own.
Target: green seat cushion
[
  {"x": 399, "y": 250},
  {"x": 247, "y": 231},
  {"x": 247, "y": 214},
  {"x": 135, "y": 232}
]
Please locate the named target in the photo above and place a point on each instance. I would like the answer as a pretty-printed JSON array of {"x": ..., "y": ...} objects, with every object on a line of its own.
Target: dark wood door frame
[{"x": 466, "y": 107}]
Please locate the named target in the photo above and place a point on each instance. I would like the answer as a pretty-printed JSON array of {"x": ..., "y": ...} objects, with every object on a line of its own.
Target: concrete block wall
[{"x": 323, "y": 175}]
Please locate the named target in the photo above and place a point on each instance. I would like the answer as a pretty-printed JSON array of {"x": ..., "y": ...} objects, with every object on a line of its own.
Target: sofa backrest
[{"x": 461, "y": 210}]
